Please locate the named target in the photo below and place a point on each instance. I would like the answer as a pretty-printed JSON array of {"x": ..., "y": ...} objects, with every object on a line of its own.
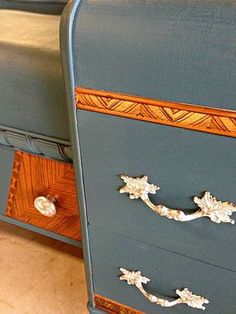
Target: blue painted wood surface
[
  {"x": 6, "y": 164},
  {"x": 173, "y": 50},
  {"x": 32, "y": 92},
  {"x": 166, "y": 49},
  {"x": 183, "y": 163},
  {"x": 166, "y": 270}
]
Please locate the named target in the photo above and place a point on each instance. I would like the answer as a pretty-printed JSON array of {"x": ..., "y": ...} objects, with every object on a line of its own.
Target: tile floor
[{"x": 39, "y": 275}]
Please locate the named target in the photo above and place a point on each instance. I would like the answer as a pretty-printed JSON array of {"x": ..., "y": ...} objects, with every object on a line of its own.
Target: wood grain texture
[
  {"x": 33, "y": 176},
  {"x": 112, "y": 307},
  {"x": 199, "y": 118}
]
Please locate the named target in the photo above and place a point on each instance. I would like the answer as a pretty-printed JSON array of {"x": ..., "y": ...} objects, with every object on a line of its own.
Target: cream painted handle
[
  {"x": 135, "y": 278},
  {"x": 45, "y": 206},
  {"x": 208, "y": 205}
]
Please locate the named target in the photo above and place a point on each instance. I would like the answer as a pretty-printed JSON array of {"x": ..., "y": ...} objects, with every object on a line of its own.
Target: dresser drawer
[
  {"x": 6, "y": 163},
  {"x": 184, "y": 163},
  {"x": 43, "y": 194},
  {"x": 167, "y": 272}
]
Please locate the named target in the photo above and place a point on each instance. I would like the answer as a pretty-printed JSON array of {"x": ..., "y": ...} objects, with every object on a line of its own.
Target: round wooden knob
[{"x": 45, "y": 206}]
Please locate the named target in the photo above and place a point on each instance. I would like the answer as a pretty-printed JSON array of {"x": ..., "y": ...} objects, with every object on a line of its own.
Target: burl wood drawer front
[
  {"x": 6, "y": 163},
  {"x": 167, "y": 272},
  {"x": 35, "y": 176},
  {"x": 183, "y": 163}
]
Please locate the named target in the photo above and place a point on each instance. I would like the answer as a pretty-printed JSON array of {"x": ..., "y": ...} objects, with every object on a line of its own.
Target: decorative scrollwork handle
[
  {"x": 208, "y": 205},
  {"x": 45, "y": 205},
  {"x": 135, "y": 278}
]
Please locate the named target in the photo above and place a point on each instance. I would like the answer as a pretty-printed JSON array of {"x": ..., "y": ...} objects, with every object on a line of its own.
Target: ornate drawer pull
[
  {"x": 208, "y": 205},
  {"x": 45, "y": 205},
  {"x": 135, "y": 278}
]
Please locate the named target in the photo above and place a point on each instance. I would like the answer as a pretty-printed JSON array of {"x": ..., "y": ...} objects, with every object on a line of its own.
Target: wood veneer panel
[
  {"x": 112, "y": 307},
  {"x": 199, "y": 118},
  {"x": 35, "y": 176}
]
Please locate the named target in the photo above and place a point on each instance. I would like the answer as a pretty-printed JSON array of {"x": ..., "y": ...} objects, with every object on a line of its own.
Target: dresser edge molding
[
  {"x": 36, "y": 144},
  {"x": 188, "y": 116},
  {"x": 112, "y": 307}
]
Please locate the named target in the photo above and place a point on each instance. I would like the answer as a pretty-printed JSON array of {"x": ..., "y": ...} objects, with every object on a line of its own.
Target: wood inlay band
[
  {"x": 199, "y": 118},
  {"x": 112, "y": 307}
]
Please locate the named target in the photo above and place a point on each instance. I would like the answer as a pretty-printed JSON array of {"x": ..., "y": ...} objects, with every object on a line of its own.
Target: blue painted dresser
[
  {"x": 150, "y": 86},
  {"x": 36, "y": 176}
]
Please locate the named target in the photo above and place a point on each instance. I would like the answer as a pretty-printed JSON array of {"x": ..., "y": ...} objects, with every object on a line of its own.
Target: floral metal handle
[
  {"x": 45, "y": 205},
  {"x": 208, "y": 205},
  {"x": 135, "y": 278}
]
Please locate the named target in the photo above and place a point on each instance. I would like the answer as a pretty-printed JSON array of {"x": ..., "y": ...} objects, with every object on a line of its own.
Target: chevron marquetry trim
[
  {"x": 112, "y": 307},
  {"x": 199, "y": 118}
]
